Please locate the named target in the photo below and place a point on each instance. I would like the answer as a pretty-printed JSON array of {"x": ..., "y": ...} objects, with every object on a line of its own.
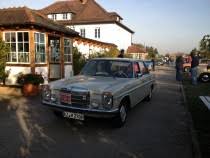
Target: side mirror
[{"x": 139, "y": 75}]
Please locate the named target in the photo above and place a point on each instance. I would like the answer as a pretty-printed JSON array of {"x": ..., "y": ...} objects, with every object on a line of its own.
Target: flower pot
[{"x": 30, "y": 89}]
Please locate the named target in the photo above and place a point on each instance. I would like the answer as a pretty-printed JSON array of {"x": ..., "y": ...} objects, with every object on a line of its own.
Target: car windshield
[{"x": 108, "y": 68}]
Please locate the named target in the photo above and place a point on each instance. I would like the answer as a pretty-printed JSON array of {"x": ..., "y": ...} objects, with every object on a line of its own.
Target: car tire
[
  {"x": 149, "y": 96},
  {"x": 121, "y": 117},
  {"x": 187, "y": 69},
  {"x": 204, "y": 77},
  {"x": 58, "y": 114}
]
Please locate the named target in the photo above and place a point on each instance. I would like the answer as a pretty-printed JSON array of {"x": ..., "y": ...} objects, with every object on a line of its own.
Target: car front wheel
[
  {"x": 149, "y": 96},
  {"x": 205, "y": 77},
  {"x": 120, "y": 119},
  {"x": 186, "y": 69}
]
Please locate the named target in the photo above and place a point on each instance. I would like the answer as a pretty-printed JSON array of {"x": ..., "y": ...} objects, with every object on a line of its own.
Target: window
[
  {"x": 97, "y": 32},
  {"x": 67, "y": 50},
  {"x": 65, "y": 16},
  {"x": 54, "y": 16},
  {"x": 40, "y": 47},
  {"x": 19, "y": 46},
  {"x": 54, "y": 50},
  {"x": 82, "y": 32},
  {"x": 143, "y": 68}
]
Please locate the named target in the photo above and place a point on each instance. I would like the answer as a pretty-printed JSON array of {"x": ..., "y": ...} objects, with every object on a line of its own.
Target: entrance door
[{"x": 55, "y": 65}]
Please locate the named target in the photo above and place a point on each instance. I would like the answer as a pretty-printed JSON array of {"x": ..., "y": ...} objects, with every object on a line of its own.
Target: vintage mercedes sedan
[{"x": 106, "y": 87}]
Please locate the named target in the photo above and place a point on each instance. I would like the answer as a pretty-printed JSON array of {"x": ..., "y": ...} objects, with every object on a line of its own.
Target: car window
[
  {"x": 89, "y": 68},
  {"x": 143, "y": 68},
  {"x": 122, "y": 69},
  {"x": 107, "y": 68},
  {"x": 136, "y": 69}
]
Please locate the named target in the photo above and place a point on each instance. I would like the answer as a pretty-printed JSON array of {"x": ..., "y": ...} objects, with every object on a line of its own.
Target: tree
[
  {"x": 78, "y": 61},
  {"x": 112, "y": 52},
  {"x": 4, "y": 50},
  {"x": 152, "y": 52},
  {"x": 205, "y": 46}
]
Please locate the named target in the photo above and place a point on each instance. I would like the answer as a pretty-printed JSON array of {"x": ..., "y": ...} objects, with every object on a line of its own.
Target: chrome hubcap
[
  {"x": 150, "y": 94},
  {"x": 205, "y": 78},
  {"x": 122, "y": 113}
]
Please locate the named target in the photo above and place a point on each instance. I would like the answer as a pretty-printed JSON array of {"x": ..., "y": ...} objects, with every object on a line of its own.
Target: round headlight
[
  {"x": 46, "y": 93},
  {"x": 107, "y": 100}
]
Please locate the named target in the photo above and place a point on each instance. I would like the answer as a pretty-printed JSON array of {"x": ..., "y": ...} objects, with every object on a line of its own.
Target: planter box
[{"x": 30, "y": 90}]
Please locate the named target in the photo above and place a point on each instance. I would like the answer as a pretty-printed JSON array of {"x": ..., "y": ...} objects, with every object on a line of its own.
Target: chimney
[{"x": 83, "y": 1}]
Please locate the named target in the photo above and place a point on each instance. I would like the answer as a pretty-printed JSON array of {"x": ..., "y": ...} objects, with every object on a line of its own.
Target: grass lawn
[{"x": 200, "y": 113}]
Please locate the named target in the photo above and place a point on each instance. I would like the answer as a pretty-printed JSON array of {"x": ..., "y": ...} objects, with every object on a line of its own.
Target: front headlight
[
  {"x": 107, "y": 100},
  {"x": 46, "y": 93}
]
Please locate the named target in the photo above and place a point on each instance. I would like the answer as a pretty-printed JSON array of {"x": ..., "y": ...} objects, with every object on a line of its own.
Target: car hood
[{"x": 93, "y": 84}]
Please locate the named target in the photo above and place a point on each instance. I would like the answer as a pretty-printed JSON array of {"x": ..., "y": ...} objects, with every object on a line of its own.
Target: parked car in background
[
  {"x": 105, "y": 88},
  {"x": 187, "y": 63},
  {"x": 204, "y": 70},
  {"x": 159, "y": 63}
]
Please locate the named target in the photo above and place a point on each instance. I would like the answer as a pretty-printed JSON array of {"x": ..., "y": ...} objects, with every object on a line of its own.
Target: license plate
[
  {"x": 76, "y": 116},
  {"x": 65, "y": 98}
]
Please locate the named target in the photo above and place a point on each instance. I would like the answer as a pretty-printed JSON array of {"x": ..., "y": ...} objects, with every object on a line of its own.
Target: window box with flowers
[{"x": 30, "y": 83}]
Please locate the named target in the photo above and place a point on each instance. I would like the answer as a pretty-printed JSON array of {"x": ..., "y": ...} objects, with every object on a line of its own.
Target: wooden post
[
  {"x": 1, "y": 34},
  {"x": 32, "y": 51},
  {"x": 47, "y": 54},
  {"x": 62, "y": 56}
]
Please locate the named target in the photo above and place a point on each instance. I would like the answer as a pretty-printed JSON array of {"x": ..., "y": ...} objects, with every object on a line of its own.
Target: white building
[{"x": 91, "y": 20}]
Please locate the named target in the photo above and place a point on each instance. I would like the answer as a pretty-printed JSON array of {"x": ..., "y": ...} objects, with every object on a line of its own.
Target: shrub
[
  {"x": 35, "y": 79},
  {"x": 4, "y": 50}
]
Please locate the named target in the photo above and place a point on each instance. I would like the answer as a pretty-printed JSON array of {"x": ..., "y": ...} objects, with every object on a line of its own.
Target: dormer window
[
  {"x": 65, "y": 16},
  {"x": 54, "y": 16},
  {"x": 118, "y": 18},
  {"x": 82, "y": 32}
]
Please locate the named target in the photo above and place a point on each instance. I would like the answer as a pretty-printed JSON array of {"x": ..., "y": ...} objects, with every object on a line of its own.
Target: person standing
[
  {"x": 194, "y": 68},
  {"x": 153, "y": 64},
  {"x": 121, "y": 55},
  {"x": 179, "y": 68}
]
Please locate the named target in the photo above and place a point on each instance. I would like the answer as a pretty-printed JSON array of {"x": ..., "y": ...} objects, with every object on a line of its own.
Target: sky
[{"x": 169, "y": 25}]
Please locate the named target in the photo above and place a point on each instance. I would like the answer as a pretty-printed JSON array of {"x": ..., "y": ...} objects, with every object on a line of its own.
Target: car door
[
  {"x": 146, "y": 78},
  {"x": 137, "y": 90}
]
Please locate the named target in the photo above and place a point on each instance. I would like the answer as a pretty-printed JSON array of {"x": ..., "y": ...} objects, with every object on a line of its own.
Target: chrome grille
[{"x": 79, "y": 99}]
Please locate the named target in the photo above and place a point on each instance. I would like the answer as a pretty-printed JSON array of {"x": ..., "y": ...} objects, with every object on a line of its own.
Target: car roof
[{"x": 118, "y": 59}]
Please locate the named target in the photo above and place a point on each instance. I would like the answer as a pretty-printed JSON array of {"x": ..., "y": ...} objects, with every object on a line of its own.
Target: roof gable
[
  {"x": 24, "y": 16},
  {"x": 85, "y": 12},
  {"x": 135, "y": 48},
  {"x": 72, "y": 6},
  {"x": 93, "y": 12}
]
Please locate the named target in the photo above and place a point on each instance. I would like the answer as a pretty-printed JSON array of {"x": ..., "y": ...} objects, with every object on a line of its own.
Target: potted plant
[{"x": 30, "y": 83}]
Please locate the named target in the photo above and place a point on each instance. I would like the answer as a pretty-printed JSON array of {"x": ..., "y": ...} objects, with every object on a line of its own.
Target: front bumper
[{"x": 86, "y": 112}]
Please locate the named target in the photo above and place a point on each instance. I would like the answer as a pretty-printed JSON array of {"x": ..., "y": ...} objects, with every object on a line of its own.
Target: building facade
[
  {"x": 137, "y": 51},
  {"x": 91, "y": 20},
  {"x": 37, "y": 44}
]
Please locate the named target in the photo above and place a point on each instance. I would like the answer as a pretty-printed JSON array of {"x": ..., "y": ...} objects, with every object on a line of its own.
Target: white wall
[
  {"x": 44, "y": 72},
  {"x": 55, "y": 71},
  {"x": 111, "y": 33},
  {"x": 68, "y": 71},
  {"x": 87, "y": 49},
  {"x": 14, "y": 72}
]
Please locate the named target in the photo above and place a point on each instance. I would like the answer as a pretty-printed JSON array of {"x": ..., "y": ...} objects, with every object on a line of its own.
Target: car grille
[{"x": 79, "y": 99}]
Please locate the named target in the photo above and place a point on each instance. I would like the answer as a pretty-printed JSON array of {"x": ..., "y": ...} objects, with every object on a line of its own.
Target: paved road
[{"x": 156, "y": 129}]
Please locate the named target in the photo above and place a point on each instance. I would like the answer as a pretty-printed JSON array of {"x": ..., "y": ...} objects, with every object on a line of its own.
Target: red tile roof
[
  {"x": 13, "y": 17},
  {"x": 136, "y": 49},
  {"x": 87, "y": 13}
]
